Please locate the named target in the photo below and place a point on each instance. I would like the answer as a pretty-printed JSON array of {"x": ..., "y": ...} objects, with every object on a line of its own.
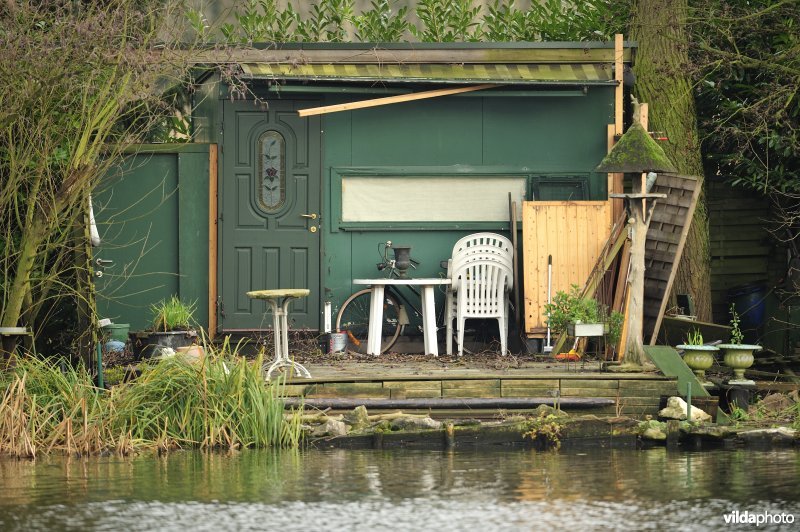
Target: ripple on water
[{"x": 398, "y": 490}]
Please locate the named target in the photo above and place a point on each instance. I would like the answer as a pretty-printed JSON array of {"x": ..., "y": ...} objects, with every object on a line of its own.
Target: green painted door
[{"x": 269, "y": 212}]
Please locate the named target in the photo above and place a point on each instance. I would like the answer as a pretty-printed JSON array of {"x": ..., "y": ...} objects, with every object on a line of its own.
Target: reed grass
[{"x": 221, "y": 401}]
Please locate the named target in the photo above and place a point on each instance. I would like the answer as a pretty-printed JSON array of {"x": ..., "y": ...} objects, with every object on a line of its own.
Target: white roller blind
[{"x": 429, "y": 199}]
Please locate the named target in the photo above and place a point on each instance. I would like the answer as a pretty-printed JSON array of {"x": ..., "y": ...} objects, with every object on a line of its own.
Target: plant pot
[
  {"x": 699, "y": 358},
  {"x": 192, "y": 353},
  {"x": 171, "y": 339},
  {"x": 739, "y": 357},
  {"x": 117, "y": 331},
  {"x": 587, "y": 329},
  {"x": 9, "y": 338}
]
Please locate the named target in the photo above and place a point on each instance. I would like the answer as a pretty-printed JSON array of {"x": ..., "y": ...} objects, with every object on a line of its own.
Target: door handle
[{"x": 312, "y": 216}]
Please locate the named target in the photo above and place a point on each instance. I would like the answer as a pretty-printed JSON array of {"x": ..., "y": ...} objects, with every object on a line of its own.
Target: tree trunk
[
  {"x": 662, "y": 80},
  {"x": 32, "y": 237},
  {"x": 633, "y": 350}
]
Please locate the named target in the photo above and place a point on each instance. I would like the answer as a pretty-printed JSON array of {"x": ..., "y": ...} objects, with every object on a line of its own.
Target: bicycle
[{"x": 353, "y": 316}]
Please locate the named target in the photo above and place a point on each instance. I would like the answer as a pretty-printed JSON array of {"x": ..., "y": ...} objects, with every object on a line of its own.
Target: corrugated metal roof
[{"x": 526, "y": 74}]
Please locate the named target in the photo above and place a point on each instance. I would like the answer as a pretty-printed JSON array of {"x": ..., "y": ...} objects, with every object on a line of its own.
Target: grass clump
[
  {"x": 172, "y": 315},
  {"x": 219, "y": 402}
]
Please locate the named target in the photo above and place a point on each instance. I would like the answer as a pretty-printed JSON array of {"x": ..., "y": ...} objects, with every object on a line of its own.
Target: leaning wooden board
[{"x": 666, "y": 238}]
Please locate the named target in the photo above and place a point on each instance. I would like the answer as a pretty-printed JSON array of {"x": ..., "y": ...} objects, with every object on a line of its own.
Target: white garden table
[
  {"x": 279, "y": 302},
  {"x": 428, "y": 310}
]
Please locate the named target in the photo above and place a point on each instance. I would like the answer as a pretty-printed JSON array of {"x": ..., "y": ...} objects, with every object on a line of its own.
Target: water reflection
[{"x": 323, "y": 490}]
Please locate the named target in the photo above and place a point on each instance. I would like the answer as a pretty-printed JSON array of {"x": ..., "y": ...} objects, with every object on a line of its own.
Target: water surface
[{"x": 602, "y": 489}]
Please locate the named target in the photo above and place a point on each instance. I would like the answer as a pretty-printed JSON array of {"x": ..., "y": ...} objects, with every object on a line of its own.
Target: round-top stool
[{"x": 279, "y": 303}]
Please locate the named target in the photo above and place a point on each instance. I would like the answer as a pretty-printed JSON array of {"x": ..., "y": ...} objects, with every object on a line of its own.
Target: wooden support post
[
  {"x": 623, "y": 337},
  {"x": 673, "y": 433},
  {"x": 614, "y": 181},
  {"x": 633, "y": 350},
  {"x": 619, "y": 65},
  {"x": 212, "y": 241}
]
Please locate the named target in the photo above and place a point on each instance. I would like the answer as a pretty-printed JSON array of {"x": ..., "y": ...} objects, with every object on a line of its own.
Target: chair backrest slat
[
  {"x": 482, "y": 246},
  {"x": 481, "y": 285}
]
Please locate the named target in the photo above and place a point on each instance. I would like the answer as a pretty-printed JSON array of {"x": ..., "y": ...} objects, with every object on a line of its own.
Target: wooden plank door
[{"x": 269, "y": 212}]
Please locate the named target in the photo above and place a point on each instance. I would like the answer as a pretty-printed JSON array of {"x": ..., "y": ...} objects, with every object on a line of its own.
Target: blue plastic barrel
[{"x": 750, "y": 303}]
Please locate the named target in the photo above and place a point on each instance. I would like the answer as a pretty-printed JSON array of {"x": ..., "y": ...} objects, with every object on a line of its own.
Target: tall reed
[
  {"x": 45, "y": 406},
  {"x": 219, "y": 402},
  {"x": 216, "y": 403}
]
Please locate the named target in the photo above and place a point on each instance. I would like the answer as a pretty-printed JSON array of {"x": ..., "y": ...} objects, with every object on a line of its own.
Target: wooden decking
[{"x": 631, "y": 394}]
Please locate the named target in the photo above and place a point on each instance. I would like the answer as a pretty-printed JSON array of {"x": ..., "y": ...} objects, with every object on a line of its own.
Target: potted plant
[
  {"x": 738, "y": 355},
  {"x": 577, "y": 315},
  {"x": 697, "y": 356},
  {"x": 173, "y": 323}
]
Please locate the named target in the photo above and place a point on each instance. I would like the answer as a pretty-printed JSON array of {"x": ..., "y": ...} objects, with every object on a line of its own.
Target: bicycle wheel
[{"x": 353, "y": 318}]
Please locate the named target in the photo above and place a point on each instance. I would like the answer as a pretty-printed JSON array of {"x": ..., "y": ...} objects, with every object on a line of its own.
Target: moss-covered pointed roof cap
[{"x": 636, "y": 152}]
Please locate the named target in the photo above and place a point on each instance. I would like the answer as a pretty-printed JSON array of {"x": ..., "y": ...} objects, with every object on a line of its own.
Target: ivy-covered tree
[{"x": 664, "y": 80}]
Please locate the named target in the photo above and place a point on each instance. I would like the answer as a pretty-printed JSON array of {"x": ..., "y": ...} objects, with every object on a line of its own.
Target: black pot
[{"x": 157, "y": 341}]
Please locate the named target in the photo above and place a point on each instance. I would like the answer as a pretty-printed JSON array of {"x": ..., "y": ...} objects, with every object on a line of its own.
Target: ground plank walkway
[{"x": 630, "y": 394}]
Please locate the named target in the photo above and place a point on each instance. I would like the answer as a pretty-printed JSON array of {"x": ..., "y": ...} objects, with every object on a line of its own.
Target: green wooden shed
[{"x": 266, "y": 198}]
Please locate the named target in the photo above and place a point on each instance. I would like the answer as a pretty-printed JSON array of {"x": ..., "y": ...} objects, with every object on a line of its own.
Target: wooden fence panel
[{"x": 573, "y": 233}]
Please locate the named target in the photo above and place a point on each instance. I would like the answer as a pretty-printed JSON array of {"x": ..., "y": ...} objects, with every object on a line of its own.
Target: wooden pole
[
  {"x": 619, "y": 65},
  {"x": 615, "y": 181},
  {"x": 391, "y": 100},
  {"x": 212, "y": 241},
  {"x": 639, "y": 219},
  {"x": 633, "y": 352}
]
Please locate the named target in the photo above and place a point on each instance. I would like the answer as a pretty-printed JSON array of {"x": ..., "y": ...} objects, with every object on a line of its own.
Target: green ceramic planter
[
  {"x": 699, "y": 358},
  {"x": 739, "y": 357}
]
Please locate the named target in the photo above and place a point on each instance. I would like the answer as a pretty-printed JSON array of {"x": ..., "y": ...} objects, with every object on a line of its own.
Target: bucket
[
  {"x": 337, "y": 342},
  {"x": 118, "y": 331},
  {"x": 749, "y": 301},
  {"x": 114, "y": 346}
]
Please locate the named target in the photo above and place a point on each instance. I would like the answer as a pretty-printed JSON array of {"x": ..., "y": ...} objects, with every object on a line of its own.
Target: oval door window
[{"x": 272, "y": 170}]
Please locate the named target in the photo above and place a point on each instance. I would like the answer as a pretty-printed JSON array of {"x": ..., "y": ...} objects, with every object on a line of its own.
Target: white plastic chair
[
  {"x": 483, "y": 239},
  {"x": 481, "y": 274},
  {"x": 481, "y": 289}
]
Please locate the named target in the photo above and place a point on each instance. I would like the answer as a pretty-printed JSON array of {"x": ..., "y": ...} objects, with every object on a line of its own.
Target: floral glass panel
[{"x": 272, "y": 170}]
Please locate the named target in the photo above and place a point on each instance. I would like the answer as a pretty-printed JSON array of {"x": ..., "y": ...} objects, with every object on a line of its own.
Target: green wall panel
[
  {"x": 439, "y": 131},
  {"x": 547, "y": 138},
  {"x": 152, "y": 215},
  {"x": 555, "y": 134}
]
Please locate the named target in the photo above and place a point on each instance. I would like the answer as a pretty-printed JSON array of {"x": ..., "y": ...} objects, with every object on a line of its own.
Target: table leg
[
  {"x": 281, "y": 332},
  {"x": 276, "y": 330},
  {"x": 285, "y": 328},
  {"x": 429, "y": 321},
  {"x": 374, "y": 335}
]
